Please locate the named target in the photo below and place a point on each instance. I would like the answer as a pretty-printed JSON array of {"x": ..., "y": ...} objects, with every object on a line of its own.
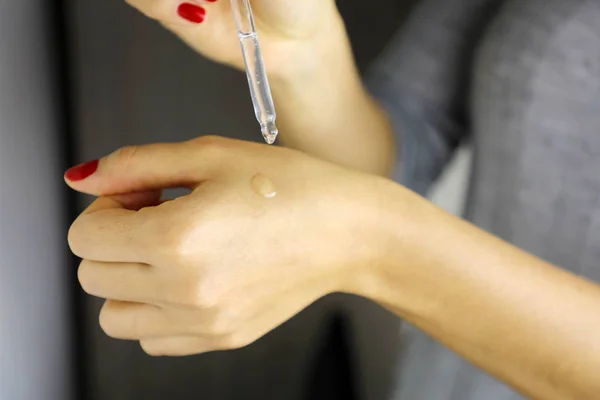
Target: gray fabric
[{"x": 520, "y": 79}]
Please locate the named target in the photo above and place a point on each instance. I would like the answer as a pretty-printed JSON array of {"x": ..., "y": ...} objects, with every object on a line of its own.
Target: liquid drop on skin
[{"x": 263, "y": 186}]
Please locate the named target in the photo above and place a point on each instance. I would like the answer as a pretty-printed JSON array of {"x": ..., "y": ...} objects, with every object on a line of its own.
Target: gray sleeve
[
  {"x": 426, "y": 136},
  {"x": 422, "y": 81}
]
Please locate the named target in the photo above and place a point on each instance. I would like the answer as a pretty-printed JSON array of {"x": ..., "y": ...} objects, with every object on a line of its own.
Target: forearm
[
  {"x": 528, "y": 323},
  {"x": 324, "y": 109}
]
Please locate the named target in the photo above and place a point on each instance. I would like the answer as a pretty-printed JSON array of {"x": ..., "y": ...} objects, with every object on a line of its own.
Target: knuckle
[
  {"x": 178, "y": 243},
  {"x": 115, "y": 326},
  {"x": 222, "y": 324},
  {"x": 85, "y": 278},
  {"x": 155, "y": 10},
  {"x": 149, "y": 347},
  {"x": 184, "y": 290},
  {"x": 125, "y": 155},
  {"x": 236, "y": 340},
  {"x": 211, "y": 144},
  {"x": 209, "y": 140},
  {"x": 197, "y": 291},
  {"x": 74, "y": 237},
  {"x": 201, "y": 297},
  {"x": 107, "y": 322}
]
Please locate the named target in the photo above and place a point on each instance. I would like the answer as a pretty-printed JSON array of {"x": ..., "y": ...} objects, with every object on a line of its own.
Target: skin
[
  {"x": 222, "y": 266},
  {"x": 311, "y": 68}
]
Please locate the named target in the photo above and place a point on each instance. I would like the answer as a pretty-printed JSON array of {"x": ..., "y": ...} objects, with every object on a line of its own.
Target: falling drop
[{"x": 269, "y": 132}]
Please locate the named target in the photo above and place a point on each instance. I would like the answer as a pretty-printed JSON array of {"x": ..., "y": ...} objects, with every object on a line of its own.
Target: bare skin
[
  {"x": 311, "y": 68},
  {"x": 219, "y": 268}
]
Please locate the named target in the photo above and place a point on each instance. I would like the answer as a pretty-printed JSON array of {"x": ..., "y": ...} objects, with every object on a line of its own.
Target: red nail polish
[
  {"x": 211, "y": 1},
  {"x": 191, "y": 12},
  {"x": 81, "y": 171}
]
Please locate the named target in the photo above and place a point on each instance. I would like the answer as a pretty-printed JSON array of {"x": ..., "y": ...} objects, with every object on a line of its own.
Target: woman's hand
[
  {"x": 311, "y": 68},
  {"x": 290, "y": 31},
  {"x": 264, "y": 232}
]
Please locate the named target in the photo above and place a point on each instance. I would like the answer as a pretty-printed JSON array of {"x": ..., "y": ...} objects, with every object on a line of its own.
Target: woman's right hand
[
  {"x": 290, "y": 31},
  {"x": 322, "y": 107}
]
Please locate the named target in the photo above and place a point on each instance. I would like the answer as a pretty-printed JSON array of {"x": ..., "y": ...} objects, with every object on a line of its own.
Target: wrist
[
  {"x": 379, "y": 225},
  {"x": 316, "y": 59},
  {"x": 404, "y": 231},
  {"x": 323, "y": 108}
]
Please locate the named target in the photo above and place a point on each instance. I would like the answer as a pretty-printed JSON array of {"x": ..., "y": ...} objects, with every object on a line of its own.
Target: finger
[
  {"x": 133, "y": 321},
  {"x": 108, "y": 232},
  {"x": 178, "y": 346},
  {"x": 139, "y": 200},
  {"x": 136, "y": 282},
  {"x": 185, "y": 345},
  {"x": 206, "y": 25},
  {"x": 137, "y": 321},
  {"x": 129, "y": 282},
  {"x": 187, "y": 16},
  {"x": 190, "y": 12},
  {"x": 151, "y": 167}
]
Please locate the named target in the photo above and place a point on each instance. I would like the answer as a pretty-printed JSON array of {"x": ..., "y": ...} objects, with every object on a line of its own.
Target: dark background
[{"x": 79, "y": 79}]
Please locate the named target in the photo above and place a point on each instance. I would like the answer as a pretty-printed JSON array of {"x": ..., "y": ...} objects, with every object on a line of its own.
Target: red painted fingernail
[
  {"x": 211, "y": 1},
  {"x": 191, "y": 12},
  {"x": 81, "y": 171}
]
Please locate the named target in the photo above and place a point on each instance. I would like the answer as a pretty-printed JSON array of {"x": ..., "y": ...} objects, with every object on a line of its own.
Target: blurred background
[{"x": 79, "y": 79}]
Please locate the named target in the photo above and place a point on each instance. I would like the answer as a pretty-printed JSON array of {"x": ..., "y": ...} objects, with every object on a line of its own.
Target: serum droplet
[
  {"x": 263, "y": 186},
  {"x": 270, "y": 132}
]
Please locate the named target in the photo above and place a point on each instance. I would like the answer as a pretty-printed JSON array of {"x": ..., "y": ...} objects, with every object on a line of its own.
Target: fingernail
[
  {"x": 191, "y": 12},
  {"x": 81, "y": 171}
]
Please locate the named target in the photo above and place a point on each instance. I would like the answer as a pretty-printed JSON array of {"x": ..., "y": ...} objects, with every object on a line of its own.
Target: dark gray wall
[
  {"x": 136, "y": 83},
  {"x": 35, "y": 340}
]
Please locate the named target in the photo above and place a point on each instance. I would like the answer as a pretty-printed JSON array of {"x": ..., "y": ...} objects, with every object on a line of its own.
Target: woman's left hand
[{"x": 264, "y": 232}]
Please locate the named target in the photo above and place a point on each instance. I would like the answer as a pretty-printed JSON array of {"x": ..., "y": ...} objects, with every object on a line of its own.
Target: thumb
[{"x": 145, "y": 168}]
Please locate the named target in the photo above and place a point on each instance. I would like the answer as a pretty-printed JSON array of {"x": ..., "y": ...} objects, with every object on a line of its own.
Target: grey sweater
[{"x": 520, "y": 80}]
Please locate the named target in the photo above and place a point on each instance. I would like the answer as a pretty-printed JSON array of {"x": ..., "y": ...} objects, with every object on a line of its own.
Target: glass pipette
[{"x": 260, "y": 91}]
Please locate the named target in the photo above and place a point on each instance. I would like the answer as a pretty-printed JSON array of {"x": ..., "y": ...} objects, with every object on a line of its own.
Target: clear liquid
[
  {"x": 263, "y": 186},
  {"x": 264, "y": 109}
]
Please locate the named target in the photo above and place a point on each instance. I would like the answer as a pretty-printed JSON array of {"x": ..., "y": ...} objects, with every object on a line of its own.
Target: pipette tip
[{"x": 269, "y": 132}]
